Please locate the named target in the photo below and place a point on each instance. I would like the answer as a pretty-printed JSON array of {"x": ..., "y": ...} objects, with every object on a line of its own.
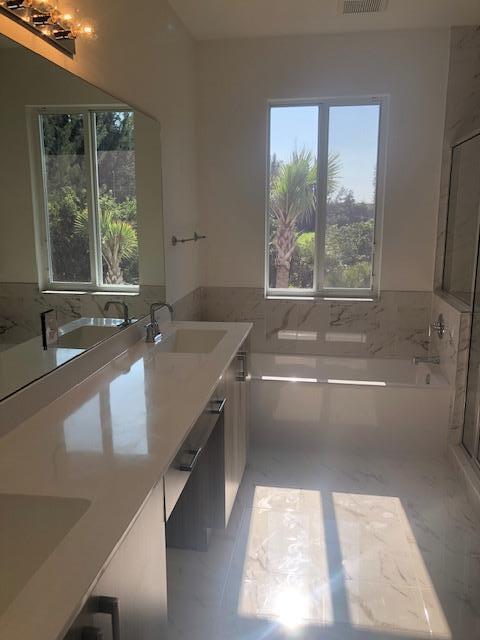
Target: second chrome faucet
[{"x": 152, "y": 328}]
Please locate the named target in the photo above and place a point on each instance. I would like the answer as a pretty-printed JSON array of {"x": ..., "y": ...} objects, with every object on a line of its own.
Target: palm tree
[
  {"x": 292, "y": 201},
  {"x": 119, "y": 241},
  {"x": 118, "y": 235}
]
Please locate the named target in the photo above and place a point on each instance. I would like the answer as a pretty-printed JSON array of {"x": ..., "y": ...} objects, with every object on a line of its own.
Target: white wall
[
  {"x": 153, "y": 71},
  {"x": 236, "y": 78}
]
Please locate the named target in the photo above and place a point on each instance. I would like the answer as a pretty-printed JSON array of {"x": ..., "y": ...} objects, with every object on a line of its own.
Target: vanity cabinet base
[
  {"x": 129, "y": 600},
  {"x": 207, "y": 498},
  {"x": 235, "y": 437}
]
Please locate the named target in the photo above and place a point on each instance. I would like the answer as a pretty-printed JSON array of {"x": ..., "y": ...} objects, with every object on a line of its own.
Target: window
[
  {"x": 323, "y": 218},
  {"x": 88, "y": 204}
]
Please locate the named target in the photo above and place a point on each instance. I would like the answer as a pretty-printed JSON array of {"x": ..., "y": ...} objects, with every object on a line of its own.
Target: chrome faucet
[
  {"x": 126, "y": 320},
  {"x": 439, "y": 326},
  {"x": 426, "y": 360},
  {"x": 152, "y": 328},
  {"x": 160, "y": 305}
]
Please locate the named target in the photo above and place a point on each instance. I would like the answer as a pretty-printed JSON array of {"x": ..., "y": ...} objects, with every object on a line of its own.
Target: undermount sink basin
[
  {"x": 192, "y": 340},
  {"x": 85, "y": 337},
  {"x": 31, "y": 528}
]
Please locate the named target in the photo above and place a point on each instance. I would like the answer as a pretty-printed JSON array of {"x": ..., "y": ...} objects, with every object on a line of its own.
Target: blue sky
[{"x": 353, "y": 134}]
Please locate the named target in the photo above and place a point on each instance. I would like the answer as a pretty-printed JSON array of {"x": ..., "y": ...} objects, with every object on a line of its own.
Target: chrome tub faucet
[{"x": 439, "y": 326}]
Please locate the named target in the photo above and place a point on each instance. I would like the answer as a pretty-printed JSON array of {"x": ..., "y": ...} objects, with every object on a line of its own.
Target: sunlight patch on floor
[{"x": 322, "y": 558}]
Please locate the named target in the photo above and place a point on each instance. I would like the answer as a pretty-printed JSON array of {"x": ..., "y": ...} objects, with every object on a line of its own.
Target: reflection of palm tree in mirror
[
  {"x": 293, "y": 201},
  {"x": 118, "y": 235}
]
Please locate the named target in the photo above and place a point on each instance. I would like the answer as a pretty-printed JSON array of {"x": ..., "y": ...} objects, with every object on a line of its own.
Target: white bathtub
[{"x": 358, "y": 404}]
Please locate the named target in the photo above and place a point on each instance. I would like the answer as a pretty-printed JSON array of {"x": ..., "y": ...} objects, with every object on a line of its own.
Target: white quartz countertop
[{"x": 108, "y": 441}]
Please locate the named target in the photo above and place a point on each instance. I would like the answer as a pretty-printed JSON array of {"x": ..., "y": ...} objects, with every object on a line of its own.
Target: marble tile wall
[
  {"x": 190, "y": 306},
  {"x": 462, "y": 117},
  {"x": 453, "y": 350},
  {"x": 21, "y": 304},
  {"x": 395, "y": 326}
]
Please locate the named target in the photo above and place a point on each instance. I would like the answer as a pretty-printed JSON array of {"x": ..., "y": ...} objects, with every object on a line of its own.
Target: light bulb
[
  {"x": 42, "y": 5},
  {"x": 86, "y": 30}
]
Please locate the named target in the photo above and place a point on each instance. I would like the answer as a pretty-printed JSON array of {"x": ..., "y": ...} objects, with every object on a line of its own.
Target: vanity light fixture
[{"x": 45, "y": 19}]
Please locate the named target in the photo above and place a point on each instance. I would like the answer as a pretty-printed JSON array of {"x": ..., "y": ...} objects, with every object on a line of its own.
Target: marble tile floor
[{"x": 334, "y": 546}]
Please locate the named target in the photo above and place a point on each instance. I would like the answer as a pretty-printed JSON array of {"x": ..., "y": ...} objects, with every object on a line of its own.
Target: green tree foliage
[
  {"x": 348, "y": 251},
  {"x": 70, "y": 250},
  {"x": 348, "y": 255},
  {"x": 344, "y": 209},
  {"x": 303, "y": 259},
  {"x": 115, "y": 153},
  {"x": 292, "y": 206}
]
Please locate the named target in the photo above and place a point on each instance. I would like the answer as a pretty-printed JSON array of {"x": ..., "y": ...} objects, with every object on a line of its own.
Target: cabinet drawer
[{"x": 190, "y": 453}]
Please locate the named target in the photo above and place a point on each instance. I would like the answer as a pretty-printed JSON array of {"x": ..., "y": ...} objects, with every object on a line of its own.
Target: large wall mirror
[
  {"x": 80, "y": 213},
  {"x": 463, "y": 221}
]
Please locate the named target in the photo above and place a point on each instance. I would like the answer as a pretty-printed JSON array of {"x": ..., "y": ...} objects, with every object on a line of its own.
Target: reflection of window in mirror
[
  {"x": 85, "y": 163},
  {"x": 463, "y": 220}
]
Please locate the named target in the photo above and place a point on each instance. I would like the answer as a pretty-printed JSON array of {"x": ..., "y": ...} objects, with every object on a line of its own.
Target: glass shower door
[
  {"x": 472, "y": 404},
  {"x": 462, "y": 269}
]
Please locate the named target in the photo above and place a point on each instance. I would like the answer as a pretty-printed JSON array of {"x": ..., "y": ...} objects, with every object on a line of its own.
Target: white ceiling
[{"x": 208, "y": 19}]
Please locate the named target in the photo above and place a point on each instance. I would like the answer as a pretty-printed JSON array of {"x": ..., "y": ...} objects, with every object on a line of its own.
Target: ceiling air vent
[{"x": 348, "y": 7}]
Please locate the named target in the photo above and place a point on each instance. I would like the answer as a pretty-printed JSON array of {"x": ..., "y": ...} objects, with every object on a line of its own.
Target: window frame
[
  {"x": 317, "y": 291},
  {"x": 40, "y": 198}
]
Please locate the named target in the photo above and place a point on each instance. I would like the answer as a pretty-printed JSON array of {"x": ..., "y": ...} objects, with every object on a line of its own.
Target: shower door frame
[
  {"x": 475, "y": 455},
  {"x": 456, "y": 144}
]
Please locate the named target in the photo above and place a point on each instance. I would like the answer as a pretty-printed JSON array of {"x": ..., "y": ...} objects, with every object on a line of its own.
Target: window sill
[
  {"x": 323, "y": 298},
  {"x": 85, "y": 292}
]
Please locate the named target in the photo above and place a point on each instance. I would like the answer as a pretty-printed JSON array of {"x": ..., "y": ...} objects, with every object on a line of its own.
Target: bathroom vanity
[
  {"x": 107, "y": 442},
  {"x": 107, "y": 467}
]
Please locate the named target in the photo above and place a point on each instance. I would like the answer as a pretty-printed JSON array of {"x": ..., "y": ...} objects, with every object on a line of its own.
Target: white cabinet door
[
  {"x": 236, "y": 429},
  {"x": 132, "y": 590}
]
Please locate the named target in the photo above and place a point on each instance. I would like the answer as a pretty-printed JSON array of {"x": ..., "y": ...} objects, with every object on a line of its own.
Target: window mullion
[
  {"x": 92, "y": 200},
  {"x": 47, "y": 266},
  {"x": 322, "y": 181},
  {"x": 379, "y": 195}
]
